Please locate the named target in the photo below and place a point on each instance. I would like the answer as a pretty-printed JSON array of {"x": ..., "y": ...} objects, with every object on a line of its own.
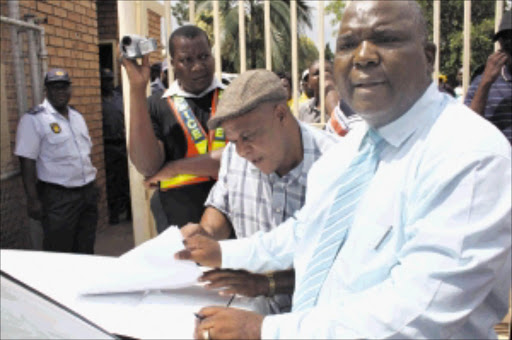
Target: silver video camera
[{"x": 135, "y": 46}]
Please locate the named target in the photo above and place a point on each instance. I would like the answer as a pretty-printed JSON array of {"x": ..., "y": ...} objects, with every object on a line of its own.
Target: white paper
[{"x": 149, "y": 266}]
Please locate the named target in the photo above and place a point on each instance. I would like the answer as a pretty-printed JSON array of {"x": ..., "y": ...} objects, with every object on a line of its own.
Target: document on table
[{"x": 150, "y": 266}]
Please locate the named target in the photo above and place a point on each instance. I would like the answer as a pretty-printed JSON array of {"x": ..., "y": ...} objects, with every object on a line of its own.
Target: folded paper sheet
[{"x": 150, "y": 266}]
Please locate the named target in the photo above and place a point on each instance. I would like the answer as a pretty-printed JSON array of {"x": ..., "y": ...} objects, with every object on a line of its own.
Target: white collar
[
  {"x": 49, "y": 107},
  {"x": 175, "y": 89}
]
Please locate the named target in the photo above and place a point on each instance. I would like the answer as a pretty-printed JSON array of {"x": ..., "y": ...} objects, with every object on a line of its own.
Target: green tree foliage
[
  {"x": 336, "y": 8},
  {"x": 452, "y": 24},
  {"x": 329, "y": 55},
  {"x": 255, "y": 35},
  {"x": 310, "y": 53}
]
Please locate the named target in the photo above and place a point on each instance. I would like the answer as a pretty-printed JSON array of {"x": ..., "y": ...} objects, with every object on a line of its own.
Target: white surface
[
  {"x": 154, "y": 315},
  {"x": 149, "y": 266}
]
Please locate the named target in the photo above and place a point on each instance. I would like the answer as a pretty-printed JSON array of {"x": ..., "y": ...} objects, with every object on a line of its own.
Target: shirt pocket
[
  {"x": 368, "y": 255},
  {"x": 60, "y": 146}
]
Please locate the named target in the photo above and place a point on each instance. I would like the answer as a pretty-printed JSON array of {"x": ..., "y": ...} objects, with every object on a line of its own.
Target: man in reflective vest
[{"x": 173, "y": 126}]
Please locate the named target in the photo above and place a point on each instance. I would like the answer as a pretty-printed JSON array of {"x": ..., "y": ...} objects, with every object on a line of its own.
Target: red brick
[
  {"x": 91, "y": 13},
  {"x": 56, "y": 61},
  {"x": 49, "y": 30},
  {"x": 64, "y": 52},
  {"x": 55, "y": 41},
  {"x": 88, "y": 38},
  {"x": 93, "y": 48},
  {"x": 76, "y": 54},
  {"x": 80, "y": 9},
  {"x": 56, "y": 3},
  {"x": 68, "y": 25},
  {"x": 92, "y": 31},
  {"x": 60, "y": 12},
  {"x": 73, "y": 16},
  {"x": 62, "y": 32},
  {"x": 70, "y": 5},
  {"x": 54, "y": 21},
  {"x": 81, "y": 28},
  {"x": 44, "y": 7},
  {"x": 70, "y": 44},
  {"x": 51, "y": 50},
  {"x": 70, "y": 63}
]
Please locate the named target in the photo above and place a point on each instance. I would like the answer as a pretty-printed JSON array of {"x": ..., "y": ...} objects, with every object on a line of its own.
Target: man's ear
[
  {"x": 280, "y": 111},
  {"x": 430, "y": 54}
]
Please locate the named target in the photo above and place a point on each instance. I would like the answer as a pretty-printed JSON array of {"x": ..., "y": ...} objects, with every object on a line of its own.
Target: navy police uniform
[
  {"x": 116, "y": 158},
  {"x": 61, "y": 149}
]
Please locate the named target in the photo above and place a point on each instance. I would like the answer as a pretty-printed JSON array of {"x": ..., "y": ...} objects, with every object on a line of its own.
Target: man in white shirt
[
  {"x": 54, "y": 147},
  {"x": 427, "y": 251}
]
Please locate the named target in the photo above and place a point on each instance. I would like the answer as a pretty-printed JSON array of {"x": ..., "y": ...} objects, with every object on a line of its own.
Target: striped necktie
[{"x": 351, "y": 185}]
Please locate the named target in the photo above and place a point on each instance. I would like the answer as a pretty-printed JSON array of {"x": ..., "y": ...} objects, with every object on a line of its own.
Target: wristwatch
[{"x": 271, "y": 284}]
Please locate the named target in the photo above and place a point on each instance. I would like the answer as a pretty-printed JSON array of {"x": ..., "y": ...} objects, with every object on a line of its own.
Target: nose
[
  {"x": 366, "y": 55},
  {"x": 197, "y": 65}
]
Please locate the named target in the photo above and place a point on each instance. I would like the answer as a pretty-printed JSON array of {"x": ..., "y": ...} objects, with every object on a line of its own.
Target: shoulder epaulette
[{"x": 35, "y": 110}]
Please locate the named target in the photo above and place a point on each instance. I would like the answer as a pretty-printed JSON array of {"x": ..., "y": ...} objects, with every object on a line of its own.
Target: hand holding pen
[{"x": 220, "y": 323}]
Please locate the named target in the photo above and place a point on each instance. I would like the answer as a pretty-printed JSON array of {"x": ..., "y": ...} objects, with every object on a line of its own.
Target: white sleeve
[
  {"x": 268, "y": 251},
  {"x": 28, "y": 140},
  {"x": 454, "y": 267}
]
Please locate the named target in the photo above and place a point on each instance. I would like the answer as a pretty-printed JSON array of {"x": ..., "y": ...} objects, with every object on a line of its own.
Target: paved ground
[{"x": 115, "y": 240}]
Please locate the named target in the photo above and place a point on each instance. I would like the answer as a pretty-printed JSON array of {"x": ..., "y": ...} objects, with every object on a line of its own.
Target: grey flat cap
[{"x": 245, "y": 93}]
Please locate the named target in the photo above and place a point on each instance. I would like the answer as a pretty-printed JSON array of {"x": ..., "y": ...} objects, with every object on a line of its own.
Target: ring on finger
[{"x": 206, "y": 334}]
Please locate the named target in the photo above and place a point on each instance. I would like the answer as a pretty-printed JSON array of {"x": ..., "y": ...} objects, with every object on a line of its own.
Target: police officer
[
  {"x": 54, "y": 148},
  {"x": 172, "y": 126}
]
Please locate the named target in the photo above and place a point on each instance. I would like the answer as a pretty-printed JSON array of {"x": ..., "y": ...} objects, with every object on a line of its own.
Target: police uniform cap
[
  {"x": 505, "y": 25},
  {"x": 245, "y": 93},
  {"x": 56, "y": 75}
]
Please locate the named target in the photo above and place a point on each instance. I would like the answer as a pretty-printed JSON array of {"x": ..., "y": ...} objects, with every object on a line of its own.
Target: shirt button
[{"x": 278, "y": 210}]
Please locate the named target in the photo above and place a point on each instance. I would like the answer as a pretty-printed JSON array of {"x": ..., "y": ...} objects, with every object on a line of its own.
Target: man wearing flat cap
[
  {"x": 490, "y": 94},
  {"x": 54, "y": 148},
  {"x": 262, "y": 178}
]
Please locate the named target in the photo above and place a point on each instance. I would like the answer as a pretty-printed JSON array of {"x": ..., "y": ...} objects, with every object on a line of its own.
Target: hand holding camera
[
  {"x": 132, "y": 47},
  {"x": 135, "y": 46}
]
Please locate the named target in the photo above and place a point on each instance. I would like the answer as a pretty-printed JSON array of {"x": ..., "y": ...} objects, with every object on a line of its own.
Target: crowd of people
[{"x": 392, "y": 222}]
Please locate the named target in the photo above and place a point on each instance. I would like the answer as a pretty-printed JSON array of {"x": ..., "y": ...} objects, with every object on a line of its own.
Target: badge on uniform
[{"x": 55, "y": 128}]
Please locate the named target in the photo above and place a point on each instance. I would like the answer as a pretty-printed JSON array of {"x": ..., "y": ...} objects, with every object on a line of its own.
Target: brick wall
[
  {"x": 71, "y": 39},
  {"x": 154, "y": 32},
  {"x": 107, "y": 19}
]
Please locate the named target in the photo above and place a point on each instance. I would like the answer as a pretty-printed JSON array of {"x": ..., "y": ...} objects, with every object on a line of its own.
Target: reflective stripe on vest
[{"x": 198, "y": 142}]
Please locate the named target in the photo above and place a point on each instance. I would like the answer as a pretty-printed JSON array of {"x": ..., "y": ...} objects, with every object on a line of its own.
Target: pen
[
  {"x": 231, "y": 300},
  {"x": 202, "y": 317},
  {"x": 383, "y": 237}
]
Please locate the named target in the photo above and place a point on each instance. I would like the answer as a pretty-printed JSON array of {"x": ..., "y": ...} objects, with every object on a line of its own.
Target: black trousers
[
  {"x": 70, "y": 217},
  {"x": 118, "y": 184}
]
